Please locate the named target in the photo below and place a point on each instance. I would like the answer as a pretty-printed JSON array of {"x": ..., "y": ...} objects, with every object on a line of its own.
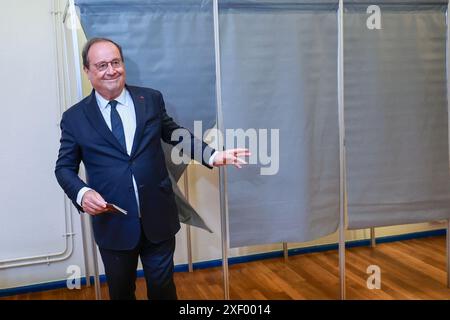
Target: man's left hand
[{"x": 231, "y": 156}]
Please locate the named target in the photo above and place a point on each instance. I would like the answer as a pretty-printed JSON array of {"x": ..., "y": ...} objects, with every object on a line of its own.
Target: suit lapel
[
  {"x": 97, "y": 121},
  {"x": 139, "y": 107}
]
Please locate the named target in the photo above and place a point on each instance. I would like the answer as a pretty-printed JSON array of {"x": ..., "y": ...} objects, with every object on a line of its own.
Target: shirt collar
[{"x": 103, "y": 103}]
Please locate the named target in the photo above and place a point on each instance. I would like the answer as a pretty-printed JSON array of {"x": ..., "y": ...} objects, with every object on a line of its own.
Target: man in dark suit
[{"x": 116, "y": 131}]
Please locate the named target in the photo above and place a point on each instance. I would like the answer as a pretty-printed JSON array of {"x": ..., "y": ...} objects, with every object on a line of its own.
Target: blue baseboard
[{"x": 234, "y": 260}]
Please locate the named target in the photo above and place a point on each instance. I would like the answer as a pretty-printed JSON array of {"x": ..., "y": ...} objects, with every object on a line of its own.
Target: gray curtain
[
  {"x": 396, "y": 114},
  {"x": 169, "y": 46},
  {"x": 279, "y": 71}
]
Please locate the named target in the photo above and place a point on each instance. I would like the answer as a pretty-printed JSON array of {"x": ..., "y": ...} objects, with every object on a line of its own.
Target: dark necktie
[{"x": 117, "y": 125}]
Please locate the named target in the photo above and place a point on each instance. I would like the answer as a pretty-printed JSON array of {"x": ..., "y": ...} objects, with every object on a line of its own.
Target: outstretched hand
[{"x": 231, "y": 156}]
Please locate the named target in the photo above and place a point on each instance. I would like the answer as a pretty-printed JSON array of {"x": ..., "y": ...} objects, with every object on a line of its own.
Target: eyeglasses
[{"x": 102, "y": 66}]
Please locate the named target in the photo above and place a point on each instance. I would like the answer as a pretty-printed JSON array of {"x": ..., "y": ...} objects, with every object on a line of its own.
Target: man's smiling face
[{"x": 109, "y": 82}]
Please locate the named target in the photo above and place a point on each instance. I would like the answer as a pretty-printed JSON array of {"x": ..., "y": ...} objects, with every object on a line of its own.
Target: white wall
[
  {"x": 35, "y": 216},
  {"x": 37, "y": 85}
]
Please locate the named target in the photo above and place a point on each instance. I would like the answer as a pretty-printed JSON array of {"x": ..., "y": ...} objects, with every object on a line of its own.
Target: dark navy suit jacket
[{"x": 86, "y": 137}]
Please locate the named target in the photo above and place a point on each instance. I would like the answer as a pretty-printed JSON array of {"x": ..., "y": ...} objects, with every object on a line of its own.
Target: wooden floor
[{"x": 412, "y": 269}]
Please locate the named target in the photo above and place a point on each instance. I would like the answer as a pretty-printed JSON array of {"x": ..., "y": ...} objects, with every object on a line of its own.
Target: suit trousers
[{"x": 157, "y": 262}]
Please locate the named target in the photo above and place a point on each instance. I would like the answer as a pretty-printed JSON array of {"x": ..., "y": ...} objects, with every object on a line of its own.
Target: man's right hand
[{"x": 93, "y": 203}]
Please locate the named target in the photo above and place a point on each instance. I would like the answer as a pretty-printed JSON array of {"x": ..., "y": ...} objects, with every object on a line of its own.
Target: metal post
[
  {"x": 73, "y": 24},
  {"x": 189, "y": 248},
  {"x": 188, "y": 227},
  {"x": 76, "y": 50},
  {"x": 448, "y": 114},
  {"x": 285, "y": 251},
  {"x": 79, "y": 95},
  {"x": 448, "y": 253},
  {"x": 342, "y": 187},
  {"x": 373, "y": 239},
  {"x": 66, "y": 11},
  {"x": 222, "y": 169},
  {"x": 98, "y": 293},
  {"x": 85, "y": 252}
]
